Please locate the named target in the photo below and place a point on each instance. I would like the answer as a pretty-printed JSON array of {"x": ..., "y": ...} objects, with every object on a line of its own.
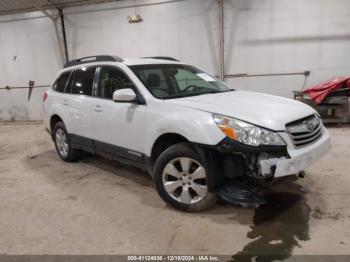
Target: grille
[{"x": 305, "y": 131}]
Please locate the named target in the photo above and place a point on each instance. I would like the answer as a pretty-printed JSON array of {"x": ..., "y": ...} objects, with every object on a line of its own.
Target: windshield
[{"x": 174, "y": 81}]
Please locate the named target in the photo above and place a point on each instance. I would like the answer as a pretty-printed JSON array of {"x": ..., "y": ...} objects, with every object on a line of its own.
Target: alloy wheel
[
  {"x": 61, "y": 142},
  {"x": 185, "y": 180}
]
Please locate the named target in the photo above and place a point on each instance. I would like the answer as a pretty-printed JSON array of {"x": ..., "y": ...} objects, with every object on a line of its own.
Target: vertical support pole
[
  {"x": 221, "y": 41},
  {"x": 62, "y": 43},
  {"x": 59, "y": 42},
  {"x": 63, "y": 28}
]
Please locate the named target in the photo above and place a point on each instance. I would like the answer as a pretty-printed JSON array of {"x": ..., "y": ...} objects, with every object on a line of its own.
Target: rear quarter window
[{"x": 61, "y": 82}]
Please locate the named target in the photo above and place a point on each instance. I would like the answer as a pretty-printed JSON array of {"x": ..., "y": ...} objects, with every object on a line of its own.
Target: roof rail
[
  {"x": 89, "y": 59},
  {"x": 163, "y": 58}
]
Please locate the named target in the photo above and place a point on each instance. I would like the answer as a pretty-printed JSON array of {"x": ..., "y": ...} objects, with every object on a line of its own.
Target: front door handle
[{"x": 98, "y": 109}]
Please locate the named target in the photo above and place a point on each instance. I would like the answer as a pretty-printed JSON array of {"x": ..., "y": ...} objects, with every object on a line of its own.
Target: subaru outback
[{"x": 190, "y": 131}]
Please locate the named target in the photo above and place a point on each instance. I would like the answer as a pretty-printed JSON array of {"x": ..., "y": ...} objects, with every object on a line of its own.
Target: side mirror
[{"x": 124, "y": 95}]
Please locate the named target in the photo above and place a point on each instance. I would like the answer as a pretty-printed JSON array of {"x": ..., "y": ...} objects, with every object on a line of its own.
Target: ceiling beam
[{"x": 45, "y": 12}]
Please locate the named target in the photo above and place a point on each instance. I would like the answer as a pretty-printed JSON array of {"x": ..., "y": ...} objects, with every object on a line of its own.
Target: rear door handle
[
  {"x": 98, "y": 109},
  {"x": 65, "y": 102}
]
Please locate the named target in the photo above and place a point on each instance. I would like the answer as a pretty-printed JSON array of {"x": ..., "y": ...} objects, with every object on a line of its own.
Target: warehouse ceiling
[{"x": 22, "y": 6}]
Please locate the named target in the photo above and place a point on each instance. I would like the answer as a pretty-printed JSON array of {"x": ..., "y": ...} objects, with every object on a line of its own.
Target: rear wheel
[
  {"x": 181, "y": 179},
  {"x": 62, "y": 143}
]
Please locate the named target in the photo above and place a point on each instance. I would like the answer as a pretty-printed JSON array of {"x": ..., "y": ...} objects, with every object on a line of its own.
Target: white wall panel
[
  {"x": 28, "y": 51},
  {"x": 276, "y": 36},
  {"x": 185, "y": 30},
  {"x": 261, "y": 36}
]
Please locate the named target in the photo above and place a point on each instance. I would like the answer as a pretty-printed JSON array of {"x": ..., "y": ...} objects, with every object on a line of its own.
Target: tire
[
  {"x": 181, "y": 179},
  {"x": 63, "y": 144}
]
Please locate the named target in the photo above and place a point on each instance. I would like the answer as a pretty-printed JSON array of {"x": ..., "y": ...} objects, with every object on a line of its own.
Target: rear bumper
[{"x": 299, "y": 160}]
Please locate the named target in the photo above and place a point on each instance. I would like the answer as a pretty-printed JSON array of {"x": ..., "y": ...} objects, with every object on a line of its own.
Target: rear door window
[
  {"x": 83, "y": 81},
  {"x": 61, "y": 82}
]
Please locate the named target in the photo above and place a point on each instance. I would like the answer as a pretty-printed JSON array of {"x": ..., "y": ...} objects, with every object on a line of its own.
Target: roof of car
[
  {"x": 147, "y": 61},
  {"x": 115, "y": 59}
]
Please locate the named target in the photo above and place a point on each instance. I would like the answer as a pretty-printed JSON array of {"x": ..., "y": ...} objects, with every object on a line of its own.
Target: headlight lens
[{"x": 247, "y": 133}]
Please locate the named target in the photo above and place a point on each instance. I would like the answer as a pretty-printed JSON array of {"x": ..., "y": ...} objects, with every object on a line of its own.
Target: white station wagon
[{"x": 191, "y": 132}]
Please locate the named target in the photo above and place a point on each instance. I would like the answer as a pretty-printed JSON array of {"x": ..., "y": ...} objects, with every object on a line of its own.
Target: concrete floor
[{"x": 98, "y": 206}]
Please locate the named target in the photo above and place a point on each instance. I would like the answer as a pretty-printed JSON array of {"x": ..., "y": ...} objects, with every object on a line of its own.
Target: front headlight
[{"x": 247, "y": 133}]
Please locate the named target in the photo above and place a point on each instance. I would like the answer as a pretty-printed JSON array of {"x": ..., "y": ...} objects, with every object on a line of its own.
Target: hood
[{"x": 272, "y": 112}]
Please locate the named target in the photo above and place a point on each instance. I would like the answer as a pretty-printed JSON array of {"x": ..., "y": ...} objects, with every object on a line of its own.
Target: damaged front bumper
[
  {"x": 266, "y": 162},
  {"x": 275, "y": 161},
  {"x": 299, "y": 158}
]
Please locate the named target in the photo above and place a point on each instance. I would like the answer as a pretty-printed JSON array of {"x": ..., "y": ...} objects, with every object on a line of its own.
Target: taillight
[{"x": 45, "y": 96}]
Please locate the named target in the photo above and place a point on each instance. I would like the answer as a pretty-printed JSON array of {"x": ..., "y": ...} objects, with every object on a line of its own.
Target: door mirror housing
[{"x": 124, "y": 95}]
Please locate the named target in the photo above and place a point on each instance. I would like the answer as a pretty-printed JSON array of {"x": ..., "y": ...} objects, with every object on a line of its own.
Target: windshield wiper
[
  {"x": 197, "y": 94},
  {"x": 215, "y": 92}
]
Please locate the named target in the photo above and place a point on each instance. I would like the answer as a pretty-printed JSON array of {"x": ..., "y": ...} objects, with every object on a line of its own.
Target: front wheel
[{"x": 182, "y": 180}]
